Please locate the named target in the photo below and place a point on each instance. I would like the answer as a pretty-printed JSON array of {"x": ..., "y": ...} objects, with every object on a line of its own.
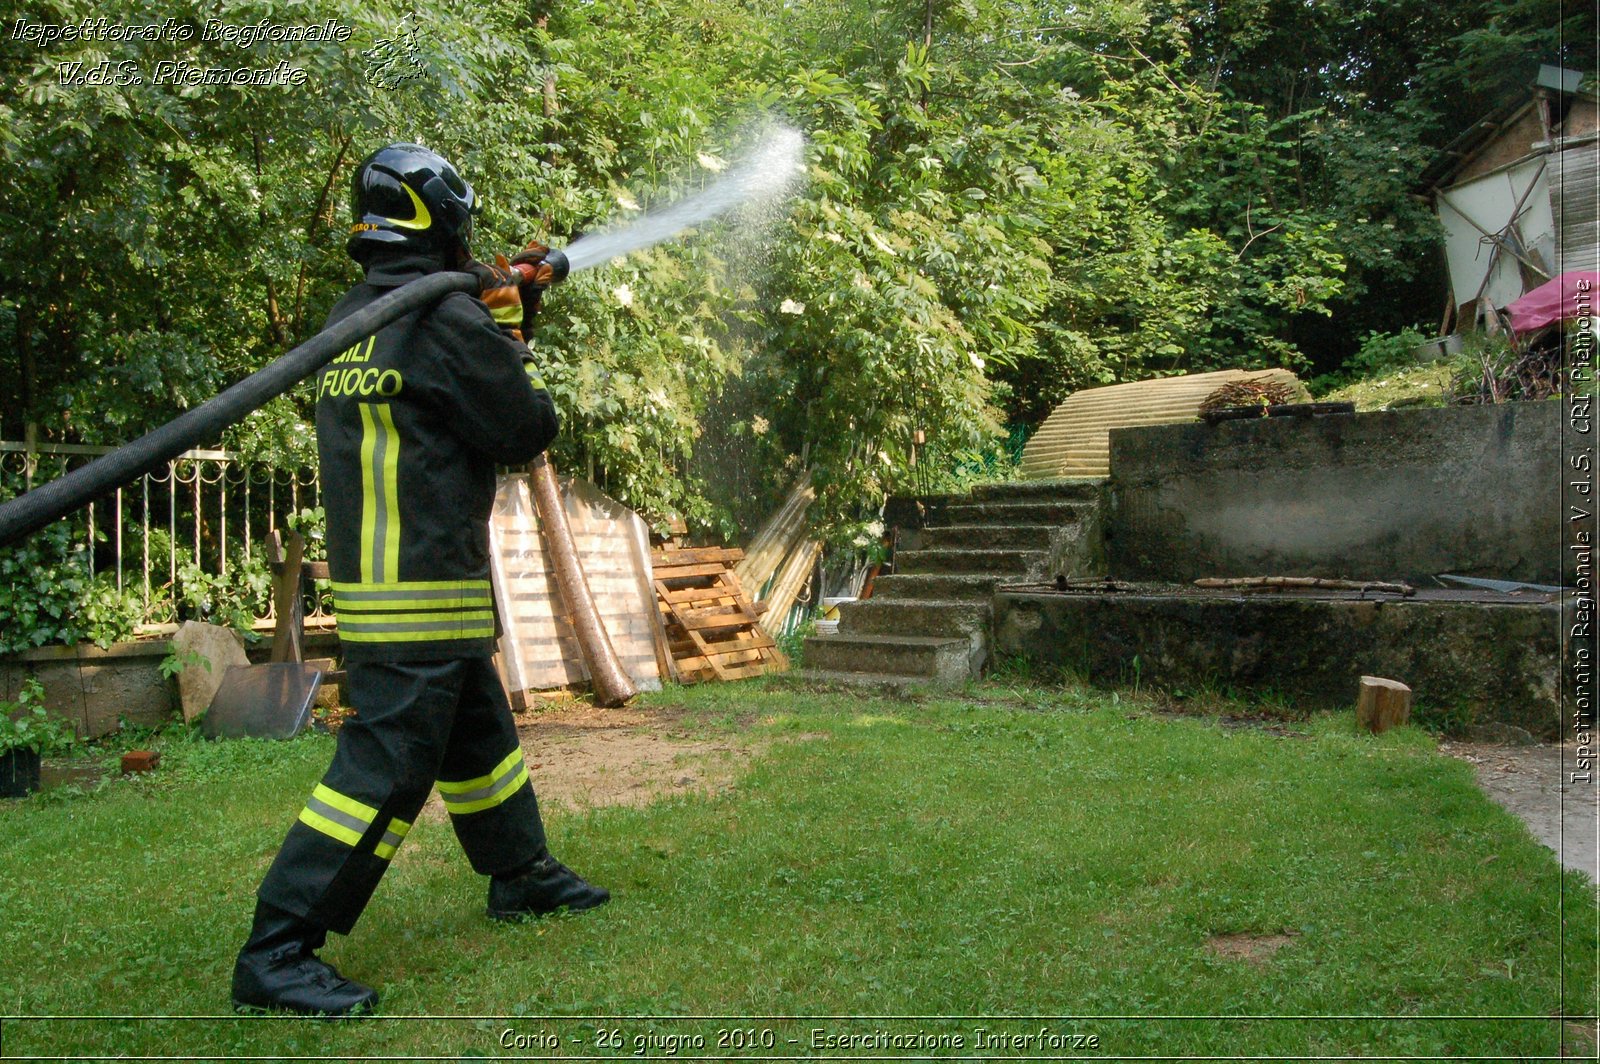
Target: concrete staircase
[{"x": 929, "y": 622}]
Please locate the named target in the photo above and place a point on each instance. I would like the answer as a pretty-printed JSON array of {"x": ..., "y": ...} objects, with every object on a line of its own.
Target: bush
[
  {"x": 233, "y": 599},
  {"x": 26, "y": 725},
  {"x": 48, "y": 595},
  {"x": 1380, "y": 353}
]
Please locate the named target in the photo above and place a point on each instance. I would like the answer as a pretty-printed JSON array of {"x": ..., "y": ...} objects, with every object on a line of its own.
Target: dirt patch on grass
[
  {"x": 585, "y": 757},
  {"x": 1249, "y": 947},
  {"x": 1580, "y": 1041}
]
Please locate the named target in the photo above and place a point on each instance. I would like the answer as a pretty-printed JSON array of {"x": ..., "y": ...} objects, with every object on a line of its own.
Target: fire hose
[{"x": 28, "y": 513}]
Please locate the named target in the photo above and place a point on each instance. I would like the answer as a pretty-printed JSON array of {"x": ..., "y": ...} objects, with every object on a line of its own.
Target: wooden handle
[{"x": 612, "y": 685}]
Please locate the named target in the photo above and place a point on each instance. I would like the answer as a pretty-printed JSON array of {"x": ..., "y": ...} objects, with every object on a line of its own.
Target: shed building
[{"x": 1516, "y": 194}]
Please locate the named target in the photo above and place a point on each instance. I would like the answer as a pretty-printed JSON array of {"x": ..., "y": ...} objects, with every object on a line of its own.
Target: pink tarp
[{"x": 1567, "y": 296}]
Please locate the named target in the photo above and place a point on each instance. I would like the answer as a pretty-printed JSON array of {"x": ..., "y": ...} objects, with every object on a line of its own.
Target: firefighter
[{"x": 411, "y": 422}]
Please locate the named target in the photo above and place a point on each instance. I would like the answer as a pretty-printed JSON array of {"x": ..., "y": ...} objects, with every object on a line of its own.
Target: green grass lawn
[
  {"x": 1424, "y": 384},
  {"x": 1048, "y": 853}
]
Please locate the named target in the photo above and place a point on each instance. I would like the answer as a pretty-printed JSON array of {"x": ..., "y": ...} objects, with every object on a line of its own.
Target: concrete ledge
[
  {"x": 1402, "y": 494},
  {"x": 96, "y": 690},
  {"x": 1469, "y": 663}
]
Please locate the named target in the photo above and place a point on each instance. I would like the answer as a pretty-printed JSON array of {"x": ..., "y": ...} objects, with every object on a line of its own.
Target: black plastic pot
[{"x": 19, "y": 773}]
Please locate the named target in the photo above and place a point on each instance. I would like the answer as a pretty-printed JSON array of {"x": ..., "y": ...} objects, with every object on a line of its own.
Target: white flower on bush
[
  {"x": 759, "y": 425},
  {"x": 624, "y": 294},
  {"x": 710, "y": 162},
  {"x": 790, "y": 306}
]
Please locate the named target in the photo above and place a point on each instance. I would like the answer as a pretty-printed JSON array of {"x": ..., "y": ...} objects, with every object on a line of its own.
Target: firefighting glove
[
  {"x": 500, "y": 293},
  {"x": 543, "y": 277}
]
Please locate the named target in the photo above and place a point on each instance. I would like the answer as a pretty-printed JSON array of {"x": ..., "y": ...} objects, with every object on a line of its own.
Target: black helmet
[{"x": 408, "y": 198}]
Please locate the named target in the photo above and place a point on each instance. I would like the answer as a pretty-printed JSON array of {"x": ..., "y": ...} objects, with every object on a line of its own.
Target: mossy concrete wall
[
  {"x": 1468, "y": 663},
  {"x": 97, "y": 690},
  {"x": 1402, "y": 494}
]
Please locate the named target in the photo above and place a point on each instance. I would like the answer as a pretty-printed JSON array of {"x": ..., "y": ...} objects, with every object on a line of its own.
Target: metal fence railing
[{"x": 209, "y": 509}]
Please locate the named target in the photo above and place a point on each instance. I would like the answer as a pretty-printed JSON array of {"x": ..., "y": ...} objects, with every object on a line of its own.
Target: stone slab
[{"x": 208, "y": 652}]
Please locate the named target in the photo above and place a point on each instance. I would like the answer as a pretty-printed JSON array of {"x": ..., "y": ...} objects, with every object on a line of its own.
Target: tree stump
[{"x": 1382, "y": 704}]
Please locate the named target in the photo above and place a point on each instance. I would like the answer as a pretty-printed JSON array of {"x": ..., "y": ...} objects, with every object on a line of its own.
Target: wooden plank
[
  {"x": 286, "y": 548},
  {"x": 682, "y": 572},
  {"x": 716, "y": 617},
  {"x": 696, "y": 594},
  {"x": 715, "y": 604},
  {"x": 705, "y": 648},
  {"x": 744, "y": 672},
  {"x": 758, "y": 640},
  {"x": 692, "y": 653},
  {"x": 695, "y": 556},
  {"x": 743, "y": 657}
]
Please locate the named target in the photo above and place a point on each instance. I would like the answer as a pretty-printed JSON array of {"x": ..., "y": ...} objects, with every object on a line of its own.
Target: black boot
[
  {"x": 542, "y": 888},
  {"x": 278, "y": 969}
]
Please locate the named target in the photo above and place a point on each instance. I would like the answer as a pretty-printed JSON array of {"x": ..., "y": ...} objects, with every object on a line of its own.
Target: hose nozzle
[
  {"x": 559, "y": 265},
  {"x": 552, "y": 269}
]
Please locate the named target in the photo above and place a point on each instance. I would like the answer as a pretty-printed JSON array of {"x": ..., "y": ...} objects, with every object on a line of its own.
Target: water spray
[{"x": 765, "y": 174}]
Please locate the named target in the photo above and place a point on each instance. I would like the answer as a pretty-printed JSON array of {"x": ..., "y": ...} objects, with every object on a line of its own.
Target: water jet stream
[{"x": 764, "y": 174}]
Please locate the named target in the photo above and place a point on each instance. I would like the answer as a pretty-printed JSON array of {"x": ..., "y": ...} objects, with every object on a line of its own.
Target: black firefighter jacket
[{"x": 411, "y": 423}]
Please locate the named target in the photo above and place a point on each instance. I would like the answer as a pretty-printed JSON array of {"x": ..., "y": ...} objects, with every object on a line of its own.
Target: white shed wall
[{"x": 1490, "y": 201}]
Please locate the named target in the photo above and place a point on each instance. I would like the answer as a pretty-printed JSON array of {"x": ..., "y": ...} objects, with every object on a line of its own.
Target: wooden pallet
[{"x": 713, "y": 631}]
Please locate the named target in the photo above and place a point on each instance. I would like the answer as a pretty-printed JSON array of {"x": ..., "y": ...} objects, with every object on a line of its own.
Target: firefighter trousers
[{"x": 416, "y": 723}]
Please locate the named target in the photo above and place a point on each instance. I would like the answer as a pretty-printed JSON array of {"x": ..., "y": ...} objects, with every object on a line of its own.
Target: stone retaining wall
[
  {"x": 97, "y": 689},
  {"x": 1469, "y": 663},
  {"x": 1396, "y": 495}
]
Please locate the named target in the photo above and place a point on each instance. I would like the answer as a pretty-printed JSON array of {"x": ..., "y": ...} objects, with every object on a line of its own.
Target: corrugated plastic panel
[{"x": 1075, "y": 440}]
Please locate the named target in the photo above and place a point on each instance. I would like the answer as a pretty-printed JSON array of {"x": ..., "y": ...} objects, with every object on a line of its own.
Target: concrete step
[
  {"x": 937, "y": 587},
  {"x": 875, "y": 682},
  {"x": 941, "y": 659},
  {"x": 884, "y": 616},
  {"x": 1059, "y": 488},
  {"x": 1014, "y": 563},
  {"x": 991, "y": 537},
  {"x": 1044, "y": 512}
]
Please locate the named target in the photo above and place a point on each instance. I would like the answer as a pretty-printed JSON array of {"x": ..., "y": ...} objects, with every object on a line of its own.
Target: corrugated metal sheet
[
  {"x": 1075, "y": 440},
  {"x": 1575, "y": 202}
]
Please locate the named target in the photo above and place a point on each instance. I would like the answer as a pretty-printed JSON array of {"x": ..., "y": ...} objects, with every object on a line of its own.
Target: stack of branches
[
  {"x": 1257, "y": 391},
  {"x": 1505, "y": 374}
]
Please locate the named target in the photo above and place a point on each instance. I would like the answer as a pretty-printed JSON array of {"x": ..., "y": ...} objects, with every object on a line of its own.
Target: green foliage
[
  {"x": 48, "y": 595},
  {"x": 1489, "y": 369},
  {"x": 792, "y": 643},
  {"x": 182, "y": 658},
  {"x": 1380, "y": 353},
  {"x": 1003, "y": 203},
  {"x": 25, "y": 724},
  {"x": 234, "y": 599}
]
